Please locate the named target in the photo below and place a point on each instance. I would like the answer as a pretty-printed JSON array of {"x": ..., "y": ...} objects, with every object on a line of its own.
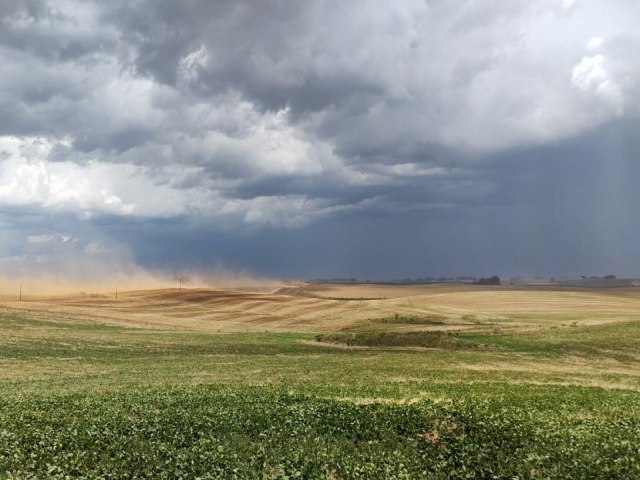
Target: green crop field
[{"x": 524, "y": 394}]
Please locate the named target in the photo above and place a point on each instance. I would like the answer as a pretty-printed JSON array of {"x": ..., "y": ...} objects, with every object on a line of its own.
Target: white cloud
[
  {"x": 40, "y": 238},
  {"x": 27, "y": 178},
  {"x": 595, "y": 43},
  {"x": 591, "y": 76},
  {"x": 569, "y": 4},
  {"x": 45, "y": 238}
]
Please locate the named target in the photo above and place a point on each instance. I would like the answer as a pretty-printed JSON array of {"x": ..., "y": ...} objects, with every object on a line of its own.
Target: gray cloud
[{"x": 255, "y": 122}]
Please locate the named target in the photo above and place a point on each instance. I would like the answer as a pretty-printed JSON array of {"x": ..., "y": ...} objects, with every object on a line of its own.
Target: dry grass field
[
  {"x": 329, "y": 307},
  {"x": 581, "y": 326}
]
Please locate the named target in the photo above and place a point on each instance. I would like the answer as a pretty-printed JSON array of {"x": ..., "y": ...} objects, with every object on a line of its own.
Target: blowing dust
[{"x": 28, "y": 285}]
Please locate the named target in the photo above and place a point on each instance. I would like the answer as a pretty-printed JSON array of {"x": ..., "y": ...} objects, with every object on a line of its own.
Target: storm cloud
[{"x": 321, "y": 138}]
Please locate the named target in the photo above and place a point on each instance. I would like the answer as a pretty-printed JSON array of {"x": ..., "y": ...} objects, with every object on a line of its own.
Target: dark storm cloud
[
  {"x": 271, "y": 51},
  {"x": 298, "y": 137},
  {"x": 41, "y": 29},
  {"x": 558, "y": 211}
]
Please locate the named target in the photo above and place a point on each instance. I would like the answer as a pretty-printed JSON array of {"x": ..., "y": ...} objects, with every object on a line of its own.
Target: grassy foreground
[
  {"x": 85, "y": 400},
  {"x": 213, "y": 432}
]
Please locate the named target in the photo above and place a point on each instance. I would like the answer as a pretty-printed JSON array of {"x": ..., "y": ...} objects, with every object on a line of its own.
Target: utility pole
[
  {"x": 116, "y": 291},
  {"x": 180, "y": 280},
  {"x": 21, "y": 292}
]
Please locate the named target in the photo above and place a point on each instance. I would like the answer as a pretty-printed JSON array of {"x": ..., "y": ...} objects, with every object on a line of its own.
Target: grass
[
  {"x": 82, "y": 399},
  {"x": 396, "y": 321},
  {"x": 619, "y": 341},
  {"x": 445, "y": 340},
  {"x": 209, "y": 432}
]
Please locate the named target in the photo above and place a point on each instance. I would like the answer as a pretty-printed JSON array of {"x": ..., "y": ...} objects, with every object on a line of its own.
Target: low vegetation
[
  {"x": 212, "y": 433},
  {"x": 400, "y": 339},
  {"x": 408, "y": 320},
  {"x": 518, "y": 399}
]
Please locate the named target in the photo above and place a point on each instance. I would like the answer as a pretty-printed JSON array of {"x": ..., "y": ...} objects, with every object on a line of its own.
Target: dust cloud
[{"x": 102, "y": 280}]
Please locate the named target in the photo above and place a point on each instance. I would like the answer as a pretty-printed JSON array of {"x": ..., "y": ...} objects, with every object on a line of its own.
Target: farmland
[{"x": 323, "y": 381}]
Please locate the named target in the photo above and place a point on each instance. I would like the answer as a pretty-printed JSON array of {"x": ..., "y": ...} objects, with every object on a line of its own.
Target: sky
[{"x": 323, "y": 138}]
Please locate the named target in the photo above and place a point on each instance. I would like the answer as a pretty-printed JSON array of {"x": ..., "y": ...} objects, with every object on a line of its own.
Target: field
[{"x": 323, "y": 381}]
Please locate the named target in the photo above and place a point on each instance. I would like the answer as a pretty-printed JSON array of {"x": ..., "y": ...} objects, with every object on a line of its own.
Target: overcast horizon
[{"x": 320, "y": 139}]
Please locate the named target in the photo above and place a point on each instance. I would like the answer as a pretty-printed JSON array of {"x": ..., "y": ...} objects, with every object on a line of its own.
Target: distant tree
[
  {"x": 493, "y": 280},
  {"x": 609, "y": 277},
  {"x": 552, "y": 280}
]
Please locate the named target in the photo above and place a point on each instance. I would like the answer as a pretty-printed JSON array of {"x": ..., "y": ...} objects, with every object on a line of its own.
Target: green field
[{"x": 84, "y": 399}]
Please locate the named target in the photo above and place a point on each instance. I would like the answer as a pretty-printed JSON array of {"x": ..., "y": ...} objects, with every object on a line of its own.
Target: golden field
[{"x": 329, "y": 307}]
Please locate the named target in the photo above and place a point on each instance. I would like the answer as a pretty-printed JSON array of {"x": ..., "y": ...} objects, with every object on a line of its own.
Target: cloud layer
[{"x": 240, "y": 119}]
